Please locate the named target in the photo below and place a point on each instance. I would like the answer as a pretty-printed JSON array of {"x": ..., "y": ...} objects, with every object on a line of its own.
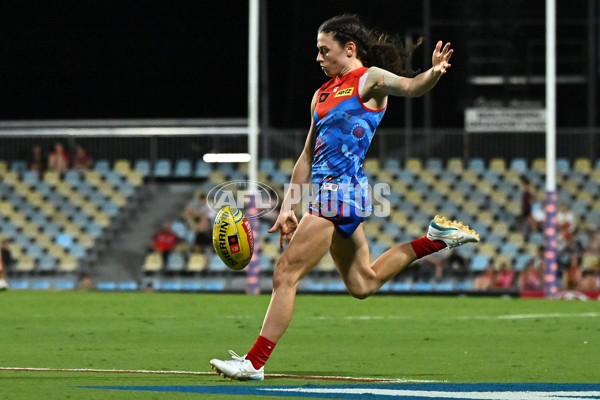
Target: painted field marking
[
  {"x": 378, "y": 391},
  {"x": 428, "y": 394},
  {"x": 463, "y": 317},
  {"x": 280, "y": 376}
]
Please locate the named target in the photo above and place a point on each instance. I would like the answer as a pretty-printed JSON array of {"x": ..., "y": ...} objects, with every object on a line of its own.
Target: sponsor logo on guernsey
[{"x": 344, "y": 92}]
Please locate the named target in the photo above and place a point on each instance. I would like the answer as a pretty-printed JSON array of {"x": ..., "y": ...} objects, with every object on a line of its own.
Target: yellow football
[{"x": 233, "y": 239}]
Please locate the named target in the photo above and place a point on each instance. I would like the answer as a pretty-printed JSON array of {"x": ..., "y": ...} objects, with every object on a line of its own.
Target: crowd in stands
[
  {"x": 58, "y": 159},
  {"x": 190, "y": 234}
]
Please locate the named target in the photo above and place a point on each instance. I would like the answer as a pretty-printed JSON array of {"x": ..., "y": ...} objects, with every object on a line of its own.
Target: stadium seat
[
  {"x": 153, "y": 262},
  {"x": 46, "y": 264},
  {"x": 18, "y": 166},
  {"x": 434, "y": 165},
  {"x": 25, "y": 263},
  {"x": 143, "y": 167},
  {"x": 476, "y": 165},
  {"x": 518, "y": 165},
  {"x": 583, "y": 165},
  {"x": 521, "y": 261},
  {"x": 102, "y": 166},
  {"x": 183, "y": 168},
  {"x": 123, "y": 167},
  {"x": 175, "y": 262},
  {"x": 202, "y": 169},
  {"x": 197, "y": 262},
  {"x": 563, "y": 166},
  {"x": 479, "y": 263}
]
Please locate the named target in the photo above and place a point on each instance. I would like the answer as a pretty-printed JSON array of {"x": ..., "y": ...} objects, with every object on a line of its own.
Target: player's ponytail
[{"x": 373, "y": 49}]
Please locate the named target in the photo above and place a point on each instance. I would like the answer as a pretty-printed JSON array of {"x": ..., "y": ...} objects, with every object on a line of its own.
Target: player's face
[{"x": 332, "y": 57}]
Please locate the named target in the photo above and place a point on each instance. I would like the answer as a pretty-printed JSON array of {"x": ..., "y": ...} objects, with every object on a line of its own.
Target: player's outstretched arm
[
  {"x": 286, "y": 221},
  {"x": 381, "y": 83}
]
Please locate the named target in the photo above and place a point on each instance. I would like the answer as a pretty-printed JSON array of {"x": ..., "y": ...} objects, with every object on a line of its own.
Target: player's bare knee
[
  {"x": 361, "y": 292},
  {"x": 284, "y": 274}
]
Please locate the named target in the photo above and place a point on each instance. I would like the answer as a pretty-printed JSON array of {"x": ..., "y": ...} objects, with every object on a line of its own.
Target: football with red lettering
[{"x": 233, "y": 239}]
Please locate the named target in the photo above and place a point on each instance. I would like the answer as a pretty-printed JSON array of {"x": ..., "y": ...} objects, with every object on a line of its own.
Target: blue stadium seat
[
  {"x": 476, "y": 165},
  {"x": 479, "y": 263},
  {"x": 18, "y": 166},
  {"x": 179, "y": 229},
  {"x": 175, "y": 262},
  {"x": 143, "y": 167},
  {"x": 162, "y": 168},
  {"x": 47, "y": 263},
  {"x": 72, "y": 177},
  {"x": 518, "y": 165},
  {"x": 434, "y": 165},
  {"x": 183, "y": 168},
  {"x": 202, "y": 170},
  {"x": 31, "y": 177},
  {"x": 521, "y": 261},
  {"x": 563, "y": 166},
  {"x": 102, "y": 166},
  {"x": 509, "y": 249},
  {"x": 267, "y": 165},
  {"x": 34, "y": 250}
]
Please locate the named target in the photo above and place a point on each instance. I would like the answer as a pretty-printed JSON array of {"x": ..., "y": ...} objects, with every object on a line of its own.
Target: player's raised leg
[
  {"x": 351, "y": 255},
  {"x": 310, "y": 242}
]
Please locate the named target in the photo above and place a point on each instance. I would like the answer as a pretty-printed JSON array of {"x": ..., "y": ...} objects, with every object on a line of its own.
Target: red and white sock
[
  {"x": 260, "y": 352},
  {"x": 424, "y": 247}
]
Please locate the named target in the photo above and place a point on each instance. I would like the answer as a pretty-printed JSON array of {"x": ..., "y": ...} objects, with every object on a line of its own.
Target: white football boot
[
  {"x": 239, "y": 368},
  {"x": 452, "y": 233}
]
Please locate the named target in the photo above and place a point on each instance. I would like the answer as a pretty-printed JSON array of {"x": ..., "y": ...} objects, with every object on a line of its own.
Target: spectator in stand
[
  {"x": 572, "y": 275},
  {"x": 487, "y": 279},
  {"x": 165, "y": 241},
  {"x": 590, "y": 281},
  {"x": 196, "y": 210},
  {"x": 566, "y": 222},
  {"x": 202, "y": 234},
  {"x": 6, "y": 262},
  {"x": 58, "y": 159},
  {"x": 530, "y": 279},
  {"x": 505, "y": 279},
  {"x": 527, "y": 201},
  {"x": 81, "y": 159},
  {"x": 35, "y": 160}
]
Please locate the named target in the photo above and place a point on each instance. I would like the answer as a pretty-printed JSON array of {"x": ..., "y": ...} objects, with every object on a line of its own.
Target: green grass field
[{"x": 423, "y": 338}]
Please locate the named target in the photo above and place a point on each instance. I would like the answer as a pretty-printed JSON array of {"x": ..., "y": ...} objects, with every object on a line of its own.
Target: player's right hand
[{"x": 286, "y": 224}]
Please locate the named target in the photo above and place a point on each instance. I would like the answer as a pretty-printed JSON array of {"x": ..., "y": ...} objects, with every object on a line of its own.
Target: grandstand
[{"x": 60, "y": 227}]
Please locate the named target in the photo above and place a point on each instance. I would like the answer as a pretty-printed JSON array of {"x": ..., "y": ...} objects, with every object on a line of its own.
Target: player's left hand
[{"x": 441, "y": 57}]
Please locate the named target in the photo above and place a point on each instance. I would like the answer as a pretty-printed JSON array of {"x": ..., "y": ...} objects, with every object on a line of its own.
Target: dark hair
[{"x": 373, "y": 49}]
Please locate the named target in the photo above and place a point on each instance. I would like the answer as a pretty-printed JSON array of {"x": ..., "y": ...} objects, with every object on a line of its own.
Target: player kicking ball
[{"x": 365, "y": 69}]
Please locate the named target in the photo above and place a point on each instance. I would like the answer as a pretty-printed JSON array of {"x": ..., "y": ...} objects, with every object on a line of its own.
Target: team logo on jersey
[
  {"x": 323, "y": 97},
  {"x": 344, "y": 92}
]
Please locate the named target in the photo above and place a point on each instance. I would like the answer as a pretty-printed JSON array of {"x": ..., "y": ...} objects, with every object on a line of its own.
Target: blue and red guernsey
[{"x": 344, "y": 127}]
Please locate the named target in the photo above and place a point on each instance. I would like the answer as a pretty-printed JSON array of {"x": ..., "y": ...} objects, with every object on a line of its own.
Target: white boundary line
[{"x": 281, "y": 376}]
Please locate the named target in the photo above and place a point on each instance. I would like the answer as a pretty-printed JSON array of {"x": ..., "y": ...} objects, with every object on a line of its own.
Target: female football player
[{"x": 365, "y": 69}]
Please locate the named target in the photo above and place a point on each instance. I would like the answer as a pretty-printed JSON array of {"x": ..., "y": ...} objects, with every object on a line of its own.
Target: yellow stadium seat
[
  {"x": 413, "y": 164},
  {"x": 498, "y": 164},
  {"x": 67, "y": 263},
  {"x": 52, "y": 178},
  {"x": 287, "y": 165},
  {"x": 123, "y": 167},
  {"x": 583, "y": 164},
  {"x": 25, "y": 264},
  {"x": 153, "y": 262},
  {"x": 197, "y": 262},
  {"x": 372, "y": 165},
  {"x": 92, "y": 177},
  {"x": 539, "y": 164},
  {"x": 455, "y": 164}
]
